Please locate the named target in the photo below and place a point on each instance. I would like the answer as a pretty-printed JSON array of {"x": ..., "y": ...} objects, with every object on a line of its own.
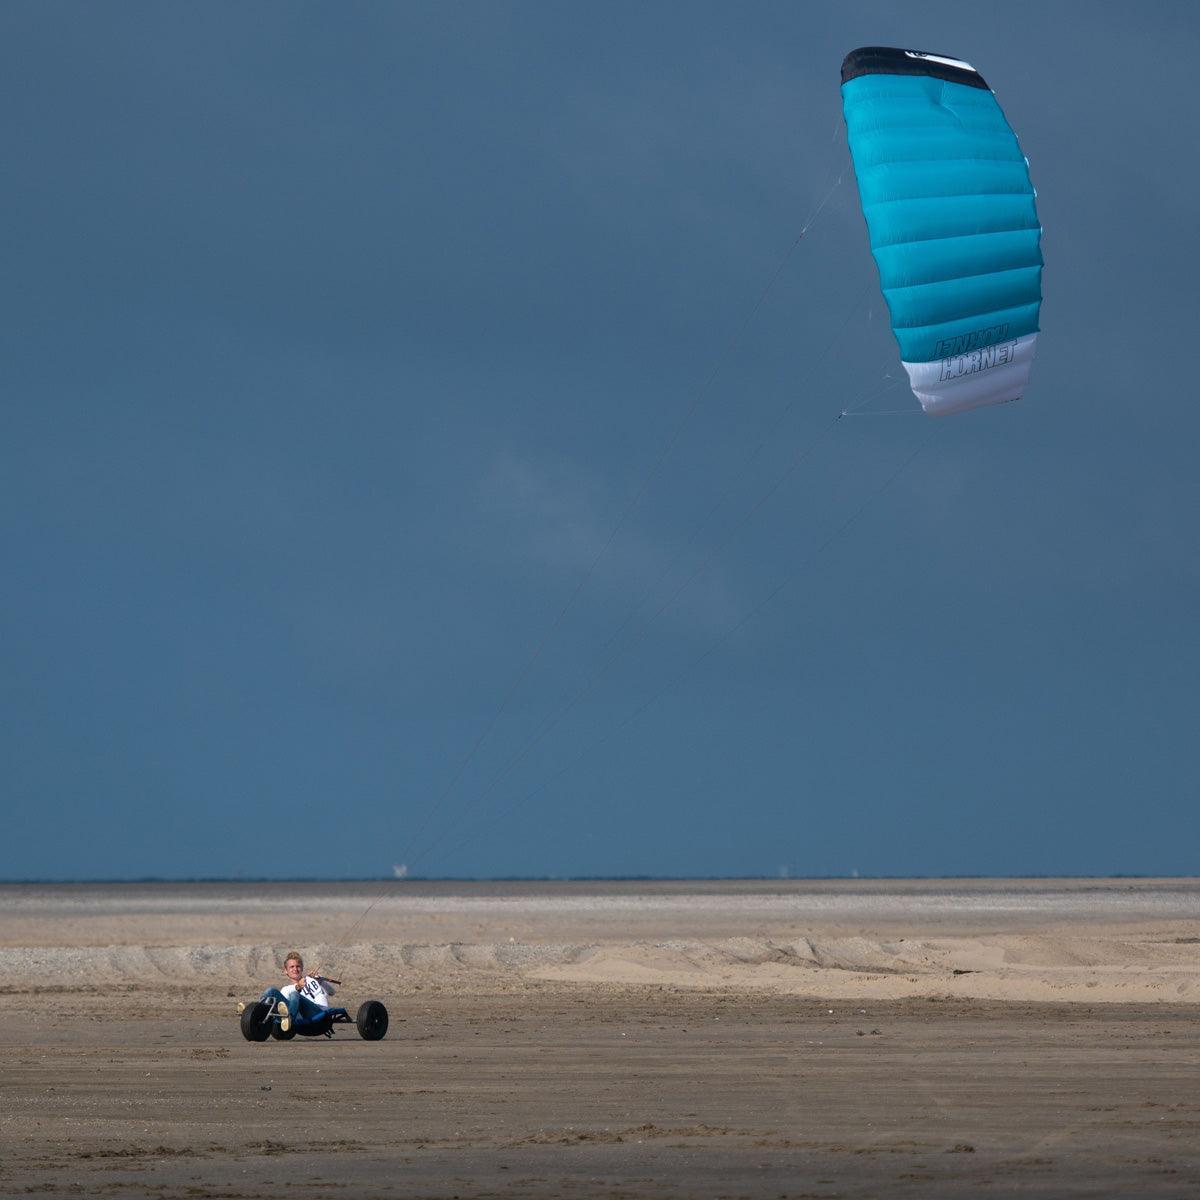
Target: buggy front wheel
[{"x": 256, "y": 1026}]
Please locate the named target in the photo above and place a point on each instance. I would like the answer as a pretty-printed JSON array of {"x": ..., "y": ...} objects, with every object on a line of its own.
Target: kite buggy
[
  {"x": 260, "y": 1020},
  {"x": 302, "y": 1007}
]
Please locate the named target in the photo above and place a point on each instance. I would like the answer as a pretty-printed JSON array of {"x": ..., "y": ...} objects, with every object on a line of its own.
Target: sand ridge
[
  {"x": 1131, "y": 967},
  {"x": 1084, "y": 941}
]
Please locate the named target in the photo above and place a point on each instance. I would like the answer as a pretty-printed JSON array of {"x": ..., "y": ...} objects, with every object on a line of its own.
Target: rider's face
[{"x": 294, "y": 969}]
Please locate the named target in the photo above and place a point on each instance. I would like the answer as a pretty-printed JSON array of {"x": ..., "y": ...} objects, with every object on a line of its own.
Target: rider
[{"x": 305, "y": 996}]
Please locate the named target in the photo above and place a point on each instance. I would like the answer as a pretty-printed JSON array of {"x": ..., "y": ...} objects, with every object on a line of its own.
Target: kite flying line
[
  {"x": 730, "y": 346},
  {"x": 732, "y": 343}
]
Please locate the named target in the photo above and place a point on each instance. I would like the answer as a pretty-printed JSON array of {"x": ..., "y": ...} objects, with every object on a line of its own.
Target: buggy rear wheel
[
  {"x": 372, "y": 1020},
  {"x": 255, "y": 1024}
]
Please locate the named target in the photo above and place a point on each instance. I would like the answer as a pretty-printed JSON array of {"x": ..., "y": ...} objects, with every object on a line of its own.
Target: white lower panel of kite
[{"x": 992, "y": 375}]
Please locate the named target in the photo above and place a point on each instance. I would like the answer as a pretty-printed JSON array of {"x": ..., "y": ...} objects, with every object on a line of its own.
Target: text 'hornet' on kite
[{"x": 953, "y": 222}]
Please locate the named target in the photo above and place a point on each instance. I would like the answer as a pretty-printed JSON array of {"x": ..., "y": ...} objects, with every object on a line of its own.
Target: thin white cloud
[{"x": 560, "y": 516}]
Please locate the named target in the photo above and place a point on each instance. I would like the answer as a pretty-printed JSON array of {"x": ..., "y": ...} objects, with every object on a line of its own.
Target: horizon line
[{"x": 411, "y": 879}]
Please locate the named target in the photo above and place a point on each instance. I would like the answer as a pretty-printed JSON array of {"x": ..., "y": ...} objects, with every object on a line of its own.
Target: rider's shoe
[{"x": 241, "y": 1007}]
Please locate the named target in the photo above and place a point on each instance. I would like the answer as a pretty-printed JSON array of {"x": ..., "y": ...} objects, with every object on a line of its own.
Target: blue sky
[{"x": 338, "y": 340}]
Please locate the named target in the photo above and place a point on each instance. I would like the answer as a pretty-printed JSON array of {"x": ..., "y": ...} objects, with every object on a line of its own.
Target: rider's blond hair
[{"x": 293, "y": 954}]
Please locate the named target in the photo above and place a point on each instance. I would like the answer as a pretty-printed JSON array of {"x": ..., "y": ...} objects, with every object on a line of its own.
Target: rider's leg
[
  {"x": 309, "y": 1010},
  {"x": 290, "y": 999}
]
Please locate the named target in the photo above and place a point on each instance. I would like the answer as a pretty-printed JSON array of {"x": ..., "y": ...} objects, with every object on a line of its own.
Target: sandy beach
[{"x": 774, "y": 1038}]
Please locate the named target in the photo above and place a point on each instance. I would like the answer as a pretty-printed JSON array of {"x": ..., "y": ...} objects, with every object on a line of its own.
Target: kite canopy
[{"x": 952, "y": 220}]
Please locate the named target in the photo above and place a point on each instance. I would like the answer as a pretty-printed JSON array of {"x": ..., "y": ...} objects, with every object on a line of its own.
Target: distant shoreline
[{"x": 59, "y": 881}]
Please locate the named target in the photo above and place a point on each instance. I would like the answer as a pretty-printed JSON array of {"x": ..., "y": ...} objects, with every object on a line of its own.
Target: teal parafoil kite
[{"x": 953, "y": 223}]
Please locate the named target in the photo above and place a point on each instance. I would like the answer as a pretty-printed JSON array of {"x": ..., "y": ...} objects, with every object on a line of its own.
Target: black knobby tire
[
  {"x": 372, "y": 1020},
  {"x": 256, "y": 1027}
]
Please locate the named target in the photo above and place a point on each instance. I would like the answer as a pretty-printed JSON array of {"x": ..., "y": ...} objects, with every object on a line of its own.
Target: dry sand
[{"x": 852, "y": 1038}]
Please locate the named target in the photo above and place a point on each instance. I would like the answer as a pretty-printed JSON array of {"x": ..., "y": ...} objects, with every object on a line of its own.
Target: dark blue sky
[{"x": 338, "y": 339}]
